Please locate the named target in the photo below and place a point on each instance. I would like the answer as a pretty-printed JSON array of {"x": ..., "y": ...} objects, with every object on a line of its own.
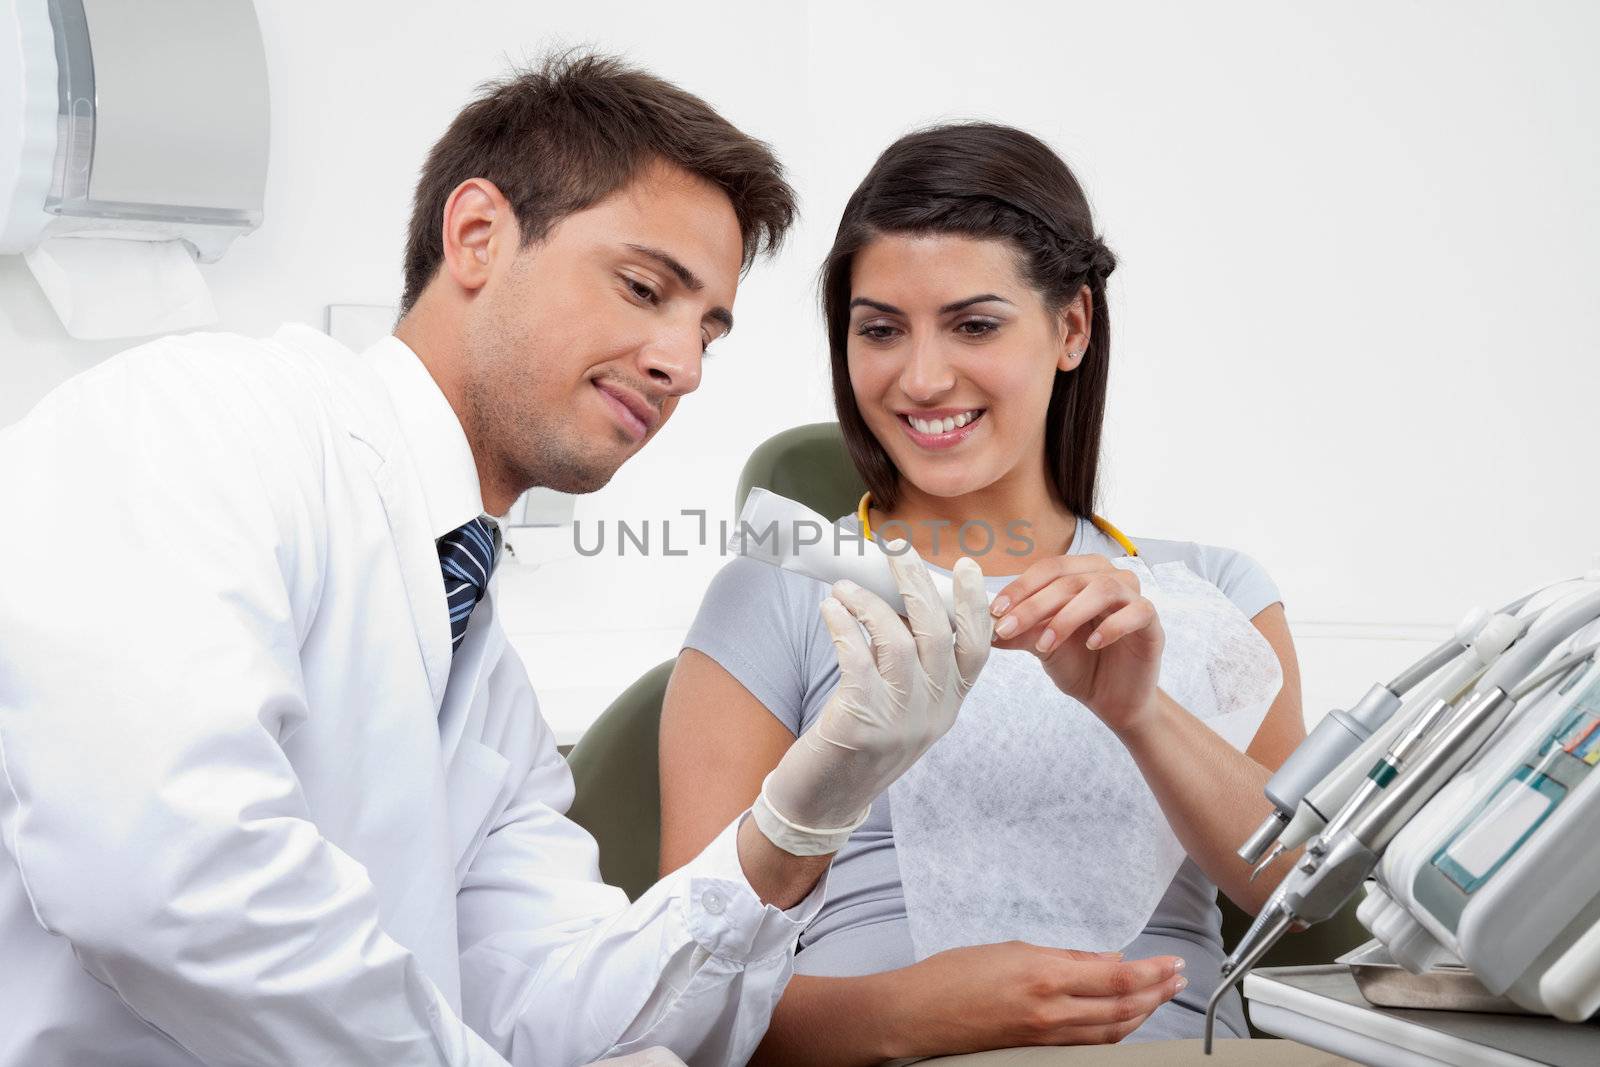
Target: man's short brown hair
[{"x": 563, "y": 136}]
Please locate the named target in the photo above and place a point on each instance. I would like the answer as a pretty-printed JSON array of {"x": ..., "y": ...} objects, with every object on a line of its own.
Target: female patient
[{"x": 965, "y": 298}]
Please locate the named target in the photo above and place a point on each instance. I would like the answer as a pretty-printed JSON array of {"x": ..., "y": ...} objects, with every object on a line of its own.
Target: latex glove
[{"x": 896, "y": 696}]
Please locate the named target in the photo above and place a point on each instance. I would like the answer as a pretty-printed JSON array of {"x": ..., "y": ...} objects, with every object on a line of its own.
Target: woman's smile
[{"x": 942, "y": 428}]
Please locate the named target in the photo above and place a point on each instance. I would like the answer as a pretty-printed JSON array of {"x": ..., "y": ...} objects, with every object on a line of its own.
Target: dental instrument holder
[
  {"x": 1337, "y": 862},
  {"x": 1450, "y": 683},
  {"x": 1334, "y": 738},
  {"x": 1341, "y": 733},
  {"x": 1458, "y": 889}
]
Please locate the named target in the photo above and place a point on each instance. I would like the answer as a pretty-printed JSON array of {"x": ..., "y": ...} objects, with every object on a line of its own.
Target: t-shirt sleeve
[
  {"x": 750, "y": 623},
  {"x": 1241, "y": 578}
]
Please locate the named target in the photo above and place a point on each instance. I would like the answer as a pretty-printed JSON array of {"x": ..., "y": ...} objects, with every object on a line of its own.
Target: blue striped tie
[{"x": 467, "y": 556}]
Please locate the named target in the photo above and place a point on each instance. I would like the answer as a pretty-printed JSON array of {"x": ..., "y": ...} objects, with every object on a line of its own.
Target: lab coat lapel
[
  {"x": 481, "y": 644},
  {"x": 475, "y": 773},
  {"x": 419, "y": 569},
  {"x": 372, "y": 420}
]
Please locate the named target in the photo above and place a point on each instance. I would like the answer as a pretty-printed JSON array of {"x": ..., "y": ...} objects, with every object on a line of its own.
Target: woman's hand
[
  {"x": 1015, "y": 994},
  {"x": 1097, "y": 637}
]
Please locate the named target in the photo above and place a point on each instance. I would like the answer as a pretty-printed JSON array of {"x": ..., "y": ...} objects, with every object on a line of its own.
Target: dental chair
[{"x": 615, "y": 764}]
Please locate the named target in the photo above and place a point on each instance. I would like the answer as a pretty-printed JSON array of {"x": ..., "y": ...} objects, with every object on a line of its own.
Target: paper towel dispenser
[{"x": 144, "y": 120}]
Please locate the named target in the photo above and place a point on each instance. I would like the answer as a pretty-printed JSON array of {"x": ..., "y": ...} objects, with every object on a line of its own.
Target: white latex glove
[{"x": 896, "y": 697}]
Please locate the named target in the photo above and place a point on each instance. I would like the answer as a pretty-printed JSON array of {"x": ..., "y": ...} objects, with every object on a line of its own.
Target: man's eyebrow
[
  {"x": 690, "y": 280},
  {"x": 890, "y": 309},
  {"x": 688, "y": 277}
]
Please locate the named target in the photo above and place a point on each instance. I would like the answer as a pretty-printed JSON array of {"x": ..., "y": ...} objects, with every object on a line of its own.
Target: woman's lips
[{"x": 938, "y": 441}]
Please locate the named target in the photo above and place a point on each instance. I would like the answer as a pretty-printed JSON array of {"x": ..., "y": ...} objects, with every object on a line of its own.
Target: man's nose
[{"x": 673, "y": 363}]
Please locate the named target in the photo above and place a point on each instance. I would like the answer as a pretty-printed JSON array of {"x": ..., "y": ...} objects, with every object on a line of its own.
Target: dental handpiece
[
  {"x": 1340, "y": 733},
  {"x": 1322, "y": 773},
  {"x": 1438, "y": 735},
  {"x": 1372, "y": 766},
  {"x": 1273, "y": 922},
  {"x": 1338, "y": 861},
  {"x": 1334, "y": 792}
]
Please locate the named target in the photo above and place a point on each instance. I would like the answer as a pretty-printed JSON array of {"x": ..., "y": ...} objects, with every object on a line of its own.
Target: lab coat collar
[{"x": 433, "y": 435}]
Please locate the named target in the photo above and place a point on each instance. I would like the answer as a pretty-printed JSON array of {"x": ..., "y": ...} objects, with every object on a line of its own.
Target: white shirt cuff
[{"x": 725, "y": 916}]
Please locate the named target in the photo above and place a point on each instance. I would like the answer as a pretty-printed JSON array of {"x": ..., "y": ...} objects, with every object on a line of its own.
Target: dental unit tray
[{"x": 1444, "y": 987}]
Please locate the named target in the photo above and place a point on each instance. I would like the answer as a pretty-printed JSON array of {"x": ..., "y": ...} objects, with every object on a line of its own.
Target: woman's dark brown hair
[
  {"x": 568, "y": 133},
  {"x": 986, "y": 181}
]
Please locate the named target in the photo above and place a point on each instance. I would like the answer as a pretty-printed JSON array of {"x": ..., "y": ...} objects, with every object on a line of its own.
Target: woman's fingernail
[
  {"x": 845, "y": 585},
  {"x": 1095, "y": 640},
  {"x": 998, "y": 608},
  {"x": 1047, "y": 642},
  {"x": 1007, "y": 627},
  {"x": 1183, "y": 983},
  {"x": 1178, "y": 964}
]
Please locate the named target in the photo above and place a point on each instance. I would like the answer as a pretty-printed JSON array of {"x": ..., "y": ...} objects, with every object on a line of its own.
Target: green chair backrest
[
  {"x": 806, "y": 463},
  {"x": 616, "y": 769},
  {"x": 615, "y": 765}
]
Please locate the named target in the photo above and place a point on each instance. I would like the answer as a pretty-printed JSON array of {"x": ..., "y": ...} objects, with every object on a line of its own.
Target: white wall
[{"x": 1354, "y": 319}]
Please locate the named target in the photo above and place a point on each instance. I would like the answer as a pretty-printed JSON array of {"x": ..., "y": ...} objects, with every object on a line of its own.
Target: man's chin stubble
[{"x": 566, "y": 476}]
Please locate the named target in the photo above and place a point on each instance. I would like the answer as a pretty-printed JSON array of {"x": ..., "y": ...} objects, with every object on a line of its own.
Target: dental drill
[
  {"x": 1414, "y": 717},
  {"x": 1341, "y": 733}
]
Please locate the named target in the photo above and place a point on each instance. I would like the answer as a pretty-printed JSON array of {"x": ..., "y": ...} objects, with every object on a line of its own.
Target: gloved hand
[{"x": 895, "y": 698}]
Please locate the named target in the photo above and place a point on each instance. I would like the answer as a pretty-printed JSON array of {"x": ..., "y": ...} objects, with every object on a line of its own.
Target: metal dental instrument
[
  {"x": 1340, "y": 859},
  {"x": 1320, "y": 774},
  {"x": 1341, "y": 732},
  {"x": 1392, "y": 762}
]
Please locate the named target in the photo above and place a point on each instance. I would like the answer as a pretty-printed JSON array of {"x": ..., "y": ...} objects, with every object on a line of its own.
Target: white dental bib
[{"x": 1029, "y": 820}]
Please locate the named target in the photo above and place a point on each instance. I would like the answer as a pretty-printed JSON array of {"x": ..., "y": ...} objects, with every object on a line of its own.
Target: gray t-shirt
[{"x": 763, "y": 626}]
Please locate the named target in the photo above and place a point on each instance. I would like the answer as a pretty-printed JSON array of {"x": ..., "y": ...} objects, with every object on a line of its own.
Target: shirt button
[{"x": 713, "y": 902}]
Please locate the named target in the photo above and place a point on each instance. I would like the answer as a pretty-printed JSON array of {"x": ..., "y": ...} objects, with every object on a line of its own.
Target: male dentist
[{"x": 273, "y": 788}]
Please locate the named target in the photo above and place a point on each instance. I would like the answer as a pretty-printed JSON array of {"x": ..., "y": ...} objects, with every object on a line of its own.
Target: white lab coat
[{"x": 238, "y": 827}]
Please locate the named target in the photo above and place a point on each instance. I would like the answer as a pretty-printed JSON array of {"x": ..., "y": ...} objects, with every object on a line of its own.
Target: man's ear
[
  {"x": 1073, "y": 326},
  {"x": 479, "y": 227}
]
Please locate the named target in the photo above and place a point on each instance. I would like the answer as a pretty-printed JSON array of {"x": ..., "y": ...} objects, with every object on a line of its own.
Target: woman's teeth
[{"x": 944, "y": 425}]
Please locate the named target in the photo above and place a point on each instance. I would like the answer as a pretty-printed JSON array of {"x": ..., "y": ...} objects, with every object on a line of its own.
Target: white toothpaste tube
[{"x": 792, "y": 537}]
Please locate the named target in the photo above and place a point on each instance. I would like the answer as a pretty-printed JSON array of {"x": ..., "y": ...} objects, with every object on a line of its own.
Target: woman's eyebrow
[
  {"x": 887, "y": 309},
  {"x": 969, "y": 301},
  {"x": 890, "y": 309}
]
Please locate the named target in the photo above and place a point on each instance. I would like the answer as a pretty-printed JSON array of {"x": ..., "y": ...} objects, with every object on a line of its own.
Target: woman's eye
[
  {"x": 977, "y": 328},
  {"x": 876, "y": 331},
  {"x": 640, "y": 290}
]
